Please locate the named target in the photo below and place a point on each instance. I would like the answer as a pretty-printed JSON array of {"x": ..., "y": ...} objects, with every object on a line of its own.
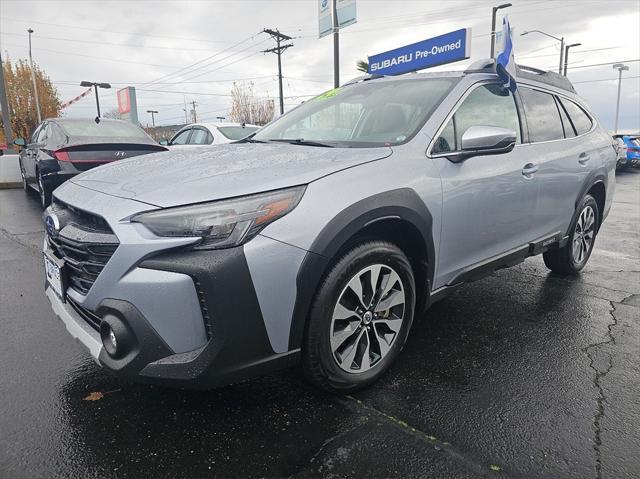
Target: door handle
[
  {"x": 529, "y": 170},
  {"x": 583, "y": 158}
]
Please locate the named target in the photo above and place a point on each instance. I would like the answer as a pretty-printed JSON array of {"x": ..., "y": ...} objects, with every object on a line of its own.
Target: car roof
[{"x": 220, "y": 124}]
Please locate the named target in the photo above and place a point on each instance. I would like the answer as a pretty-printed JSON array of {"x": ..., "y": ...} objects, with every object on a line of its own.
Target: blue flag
[{"x": 505, "y": 64}]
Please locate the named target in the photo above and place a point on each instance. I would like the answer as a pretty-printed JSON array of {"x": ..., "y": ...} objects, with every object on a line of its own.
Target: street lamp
[
  {"x": 153, "y": 118},
  {"x": 621, "y": 67},
  {"x": 561, "y": 40},
  {"x": 493, "y": 26},
  {"x": 221, "y": 118},
  {"x": 96, "y": 85},
  {"x": 33, "y": 78},
  {"x": 566, "y": 55}
]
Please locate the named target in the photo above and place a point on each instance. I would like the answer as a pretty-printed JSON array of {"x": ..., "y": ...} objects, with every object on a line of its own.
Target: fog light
[{"x": 109, "y": 341}]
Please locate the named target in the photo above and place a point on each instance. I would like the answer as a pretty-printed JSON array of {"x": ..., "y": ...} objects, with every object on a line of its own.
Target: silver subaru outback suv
[{"x": 318, "y": 239}]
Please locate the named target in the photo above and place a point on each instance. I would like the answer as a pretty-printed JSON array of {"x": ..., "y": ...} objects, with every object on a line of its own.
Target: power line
[
  {"x": 96, "y": 42},
  {"x": 129, "y": 33},
  {"x": 604, "y": 79},
  {"x": 607, "y": 63}
]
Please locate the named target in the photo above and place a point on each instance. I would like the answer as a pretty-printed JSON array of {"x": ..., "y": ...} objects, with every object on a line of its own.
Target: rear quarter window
[{"x": 579, "y": 117}]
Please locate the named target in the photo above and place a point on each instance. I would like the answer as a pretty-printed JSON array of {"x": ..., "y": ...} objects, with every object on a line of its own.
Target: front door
[{"x": 489, "y": 201}]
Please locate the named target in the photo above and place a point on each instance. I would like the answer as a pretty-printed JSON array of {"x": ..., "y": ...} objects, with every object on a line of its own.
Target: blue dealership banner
[{"x": 447, "y": 48}]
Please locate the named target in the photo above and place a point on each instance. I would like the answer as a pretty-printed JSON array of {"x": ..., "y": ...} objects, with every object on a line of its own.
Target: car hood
[{"x": 214, "y": 172}]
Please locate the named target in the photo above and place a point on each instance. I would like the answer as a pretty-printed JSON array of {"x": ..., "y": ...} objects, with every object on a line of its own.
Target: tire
[
  {"x": 44, "y": 192},
  {"x": 351, "y": 339},
  {"x": 573, "y": 257}
]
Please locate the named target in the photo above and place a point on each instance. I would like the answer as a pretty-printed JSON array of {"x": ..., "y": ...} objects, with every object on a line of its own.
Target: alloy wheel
[
  {"x": 583, "y": 234},
  {"x": 367, "y": 318}
]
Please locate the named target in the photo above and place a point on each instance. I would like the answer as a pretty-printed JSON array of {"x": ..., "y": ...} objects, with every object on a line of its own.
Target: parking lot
[{"x": 522, "y": 374}]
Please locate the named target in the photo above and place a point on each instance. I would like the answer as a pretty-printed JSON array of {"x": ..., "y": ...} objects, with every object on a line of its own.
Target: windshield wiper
[
  {"x": 249, "y": 139},
  {"x": 301, "y": 141}
]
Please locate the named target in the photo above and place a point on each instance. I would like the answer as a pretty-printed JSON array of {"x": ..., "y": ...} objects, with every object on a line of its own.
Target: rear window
[
  {"x": 580, "y": 119},
  {"x": 543, "y": 117},
  {"x": 237, "y": 132},
  {"x": 103, "y": 129}
]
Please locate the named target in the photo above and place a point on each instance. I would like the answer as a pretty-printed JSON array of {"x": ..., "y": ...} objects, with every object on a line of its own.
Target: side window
[
  {"x": 198, "y": 137},
  {"x": 446, "y": 142},
  {"x": 181, "y": 138},
  {"x": 43, "y": 134},
  {"x": 34, "y": 136},
  {"x": 569, "y": 131},
  {"x": 543, "y": 116},
  {"x": 487, "y": 105},
  {"x": 580, "y": 119},
  {"x": 209, "y": 138}
]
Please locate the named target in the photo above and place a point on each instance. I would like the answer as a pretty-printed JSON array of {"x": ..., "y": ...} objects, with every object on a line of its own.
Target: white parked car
[{"x": 198, "y": 134}]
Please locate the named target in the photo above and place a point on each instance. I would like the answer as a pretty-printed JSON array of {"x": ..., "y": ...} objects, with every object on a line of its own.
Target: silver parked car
[{"x": 322, "y": 236}]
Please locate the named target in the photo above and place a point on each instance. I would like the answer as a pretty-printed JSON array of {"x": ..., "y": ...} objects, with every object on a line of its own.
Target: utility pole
[
  {"x": 195, "y": 116},
  {"x": 494, "y": 11},
  {"x": 153, "y": 118},
  {"x": 620, "y": 67},
  {"x": 184, "y": 100},
  {"x": 4, "y": 107},
  {"x": 278, "y": 50},
  {"x": 566, "y": 55},
  {"x": 33, "y": 78},
  {"x": 336, "y": 45}
]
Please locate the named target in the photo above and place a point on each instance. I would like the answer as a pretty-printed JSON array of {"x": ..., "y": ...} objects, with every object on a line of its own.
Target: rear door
[
  {"x": 562, "y": 155},
  {"x": 488, "y": 202}
]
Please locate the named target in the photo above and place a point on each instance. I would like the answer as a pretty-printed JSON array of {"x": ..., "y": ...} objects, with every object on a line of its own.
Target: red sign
[{"x": 124, "y": 101}]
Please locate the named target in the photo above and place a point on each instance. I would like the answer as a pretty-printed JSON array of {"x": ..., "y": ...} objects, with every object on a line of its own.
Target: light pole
[
  {"x": 95, "y": 86},
  {"x": 566, "y": 55},
  {"x": 561, "y": 40},
  {"x": 33, "y": 78},
  {"x": 221, "y": 118},
  {"x": 153, "y": 118},
  {"x": 494, "y": 11},
  {"x": 621, "y": 67}
]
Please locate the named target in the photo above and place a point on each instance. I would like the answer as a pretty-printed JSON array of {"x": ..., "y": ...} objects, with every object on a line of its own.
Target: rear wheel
[
  {"x": 44, "y": 192},
  {"x": 360, "y": 317},
  {"x": 574, "y": 255}
]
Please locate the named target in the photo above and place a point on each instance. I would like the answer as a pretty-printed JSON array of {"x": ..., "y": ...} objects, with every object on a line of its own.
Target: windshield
[
  {"x": 237, "y": 132},
  {"x": 370, "y": 113},
  {"x": 105, "y": 128}
]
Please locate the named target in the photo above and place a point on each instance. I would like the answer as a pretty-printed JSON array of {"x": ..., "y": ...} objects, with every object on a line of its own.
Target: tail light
[{"x": 61, "y": 155}]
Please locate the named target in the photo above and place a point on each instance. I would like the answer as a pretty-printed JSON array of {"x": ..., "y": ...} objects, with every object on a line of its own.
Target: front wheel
[
  {"x": 571, "y": 258},
  {"x": 360, "y": 317}
]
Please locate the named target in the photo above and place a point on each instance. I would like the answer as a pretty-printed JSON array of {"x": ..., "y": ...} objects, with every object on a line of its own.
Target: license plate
[{"x": 54, "y": 275}]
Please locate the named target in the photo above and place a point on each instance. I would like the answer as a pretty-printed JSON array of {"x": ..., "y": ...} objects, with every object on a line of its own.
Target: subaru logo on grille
[{"x": 52, "y": 224}]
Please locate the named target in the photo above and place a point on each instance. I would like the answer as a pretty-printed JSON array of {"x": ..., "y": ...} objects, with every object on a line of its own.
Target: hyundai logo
[{"x": 52, "y": 224}]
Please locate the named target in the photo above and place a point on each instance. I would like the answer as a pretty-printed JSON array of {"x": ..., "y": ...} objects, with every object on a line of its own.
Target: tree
[
  {"x": 247, "y": 108},
  {"x": 21, "y": 99},
  {"x": 362, "y": 66}
]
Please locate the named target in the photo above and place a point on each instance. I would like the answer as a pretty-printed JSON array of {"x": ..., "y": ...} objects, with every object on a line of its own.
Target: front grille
[
  {"x": 91, "y": 318},
  {"x": 85, "y": 243}
]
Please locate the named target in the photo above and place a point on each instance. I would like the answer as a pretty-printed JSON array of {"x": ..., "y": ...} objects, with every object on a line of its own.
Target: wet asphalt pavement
[{"x": 522, "y": 374}]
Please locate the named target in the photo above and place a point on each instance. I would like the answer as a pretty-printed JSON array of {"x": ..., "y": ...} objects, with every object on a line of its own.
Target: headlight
[{"x": 225, "y": 223}]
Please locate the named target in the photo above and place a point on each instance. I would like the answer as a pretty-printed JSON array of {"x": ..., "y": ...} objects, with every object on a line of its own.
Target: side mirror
[
  {"x": 487, "y": 140},
  {"x": 20, "y": 142},
  {"x": 164, "y": 142}
]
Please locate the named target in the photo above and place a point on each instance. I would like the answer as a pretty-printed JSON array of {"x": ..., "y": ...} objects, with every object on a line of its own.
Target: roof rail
[
  {"x": 542, "y": 76},
  {"x": 524, "y": 72},
  {"x": 365, "y": 77}
]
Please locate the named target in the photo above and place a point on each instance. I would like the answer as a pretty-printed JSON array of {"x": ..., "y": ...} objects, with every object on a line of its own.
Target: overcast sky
[{"x": 148, "y": 44}]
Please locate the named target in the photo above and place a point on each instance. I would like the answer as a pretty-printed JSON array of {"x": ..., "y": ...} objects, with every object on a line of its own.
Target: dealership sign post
[
  {"x": 447, "y": 48},
  {"x": 332, "y": 16},
  {"x": 128, "y": 105}
]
